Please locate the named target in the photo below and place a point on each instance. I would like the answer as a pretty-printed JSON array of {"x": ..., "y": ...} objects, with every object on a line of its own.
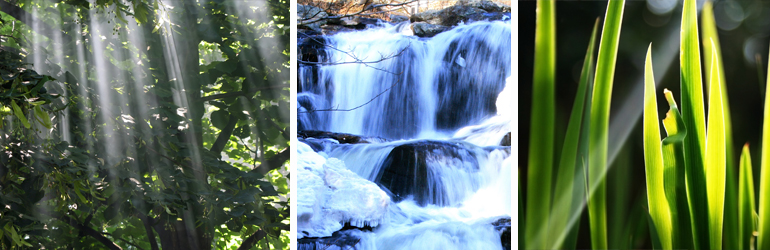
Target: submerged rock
[
  {"x": 503, "y": 226},
  {"x": 340, "y": 137},
  {"x": 506, "y": 140},
  {"x": 343, "y": 239},
  {"x": 424, "y": 169}
]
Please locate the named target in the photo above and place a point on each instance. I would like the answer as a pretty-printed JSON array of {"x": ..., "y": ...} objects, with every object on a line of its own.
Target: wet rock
[
  {"x": 343, "y": 239},
  {"x": 416, "y": 169},
  {"x": 423, "y": 29},
  {"x": 341, "y": 137},
  {"x": 487, "y": 6},
  {"x": 506, "y": 140},
  {"x": 398, "y": 18},
  {"x": 310, "y": 17},
  {"x": 311, "y": 46},
  {"x": 503, "y": 226}
]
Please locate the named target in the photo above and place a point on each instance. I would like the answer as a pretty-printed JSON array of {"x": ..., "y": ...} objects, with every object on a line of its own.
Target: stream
[{"x": 401, "y": 139}]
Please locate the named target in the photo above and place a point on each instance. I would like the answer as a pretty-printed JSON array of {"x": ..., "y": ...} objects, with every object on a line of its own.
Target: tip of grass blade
[{"x": 670, "y": 98}]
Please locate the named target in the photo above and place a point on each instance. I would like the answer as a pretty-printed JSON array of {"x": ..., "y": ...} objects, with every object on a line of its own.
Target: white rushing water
[{"x": 441, "y": 178}]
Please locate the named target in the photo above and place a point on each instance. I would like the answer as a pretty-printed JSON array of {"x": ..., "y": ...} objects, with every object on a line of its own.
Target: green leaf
[
  {"x": 673, "y": 174},
  {"x": 43, "y": 117},
  {"x": 660, "y": 211},
  {"x": 562, "y": 210},
  {"x": 694, "y": 117},
  {"x": 600, "y": 119},
  {"x": 731, "y": 237},
  {"x": 19, "y": 114},
  {"x": 763, "y": 241},
  {"x": 541, "y": 143},
  {"x": 746, "y": 225},
  {"x": 715, "y": 157}
]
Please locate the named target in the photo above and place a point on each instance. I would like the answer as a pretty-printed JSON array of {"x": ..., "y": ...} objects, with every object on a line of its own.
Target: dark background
[{"x": 744, "y": 31}]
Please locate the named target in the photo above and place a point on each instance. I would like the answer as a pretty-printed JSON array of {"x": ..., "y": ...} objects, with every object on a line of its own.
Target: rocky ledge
[{"x": 314, "y": 20}]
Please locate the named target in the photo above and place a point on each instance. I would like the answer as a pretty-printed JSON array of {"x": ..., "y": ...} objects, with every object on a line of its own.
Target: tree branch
[
  {"x": 147, "y": 222},
  {"x": 252, "y": 240},
  {"x": 309, "y": 21},
  {"x": 274, "y": 162},
  {"x": 359, "y": 106},
  {"x": 89, "y": 231},
  {"x": 239, "y": 93},
  {"x": 224, "y": 135}
]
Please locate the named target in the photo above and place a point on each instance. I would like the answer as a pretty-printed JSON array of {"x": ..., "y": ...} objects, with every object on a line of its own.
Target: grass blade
[
  {"x": 746, "y": 203},
  {"x": 763, "y": 241},
  {"x": 731, "y": 237},
  {"x": 653, "y": 161},
  {"x": 694, "y": 119},
  {"x": 562, "y": 210},
  {"x": 541, "y": 143},
  {"x": 600, "y": 119},
  {"x": 673, "y": 174},
  {"x": 715, "y": 157}
]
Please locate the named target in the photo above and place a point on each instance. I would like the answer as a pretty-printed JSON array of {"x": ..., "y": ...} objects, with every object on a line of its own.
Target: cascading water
[{"x": 433, "y": 114}]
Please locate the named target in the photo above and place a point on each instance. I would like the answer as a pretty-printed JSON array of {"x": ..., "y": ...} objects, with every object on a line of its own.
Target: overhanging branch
[{"x": 274, "y": 162}]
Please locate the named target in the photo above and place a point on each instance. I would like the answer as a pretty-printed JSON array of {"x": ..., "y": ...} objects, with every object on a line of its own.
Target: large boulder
[
  {"x": 427, "y": 171},
  {"x": 423, "y": 29}
]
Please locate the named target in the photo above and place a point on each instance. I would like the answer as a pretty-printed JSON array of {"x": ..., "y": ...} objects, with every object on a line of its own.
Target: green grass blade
[
  {"x": 746, "y": 201},
  {"x": 522, "y": 219},
  {"x": 541, "y": 143},
  {"x": 600, "y": 119},
  {"x": 673, "y": 174},
  {"x": 653, "y": 161},
  {"x": 763, "y": 241},
  {"x": 694, "y": 118},
  {"x": 715, "y": 157},
  {"x": 562, "y": 211},
  {"x": 731, "y": 237}
]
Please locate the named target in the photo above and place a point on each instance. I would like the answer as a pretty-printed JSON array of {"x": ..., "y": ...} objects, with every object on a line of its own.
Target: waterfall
[{"x": 437, "y": 177}]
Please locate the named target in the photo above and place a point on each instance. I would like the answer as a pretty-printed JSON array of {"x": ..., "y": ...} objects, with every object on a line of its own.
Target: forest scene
[{"x": 144, "y": 124}]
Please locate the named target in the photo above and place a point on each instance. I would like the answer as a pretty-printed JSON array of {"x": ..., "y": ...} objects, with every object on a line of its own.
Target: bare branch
[
  {"x": 274, "y": 162},
  {"x": 309, "y": 21},
  {"x": 357, "y": 60},
  {"x": 252, "y": 239},
  {"x": 359, "y": 106}
]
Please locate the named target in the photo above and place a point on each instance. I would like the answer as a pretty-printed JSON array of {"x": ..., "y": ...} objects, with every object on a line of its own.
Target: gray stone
[
  {"x": 463, "y": 11},
  {"x": 398, "y": 18},
  {"x": 423, "y": 29}
]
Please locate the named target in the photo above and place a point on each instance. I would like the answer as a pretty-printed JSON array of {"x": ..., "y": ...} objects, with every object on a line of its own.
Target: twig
[
  {"x": 308, "y": 21},
  {"x": 358, "y": 60},
  {"x": 359, "y": 106}
]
